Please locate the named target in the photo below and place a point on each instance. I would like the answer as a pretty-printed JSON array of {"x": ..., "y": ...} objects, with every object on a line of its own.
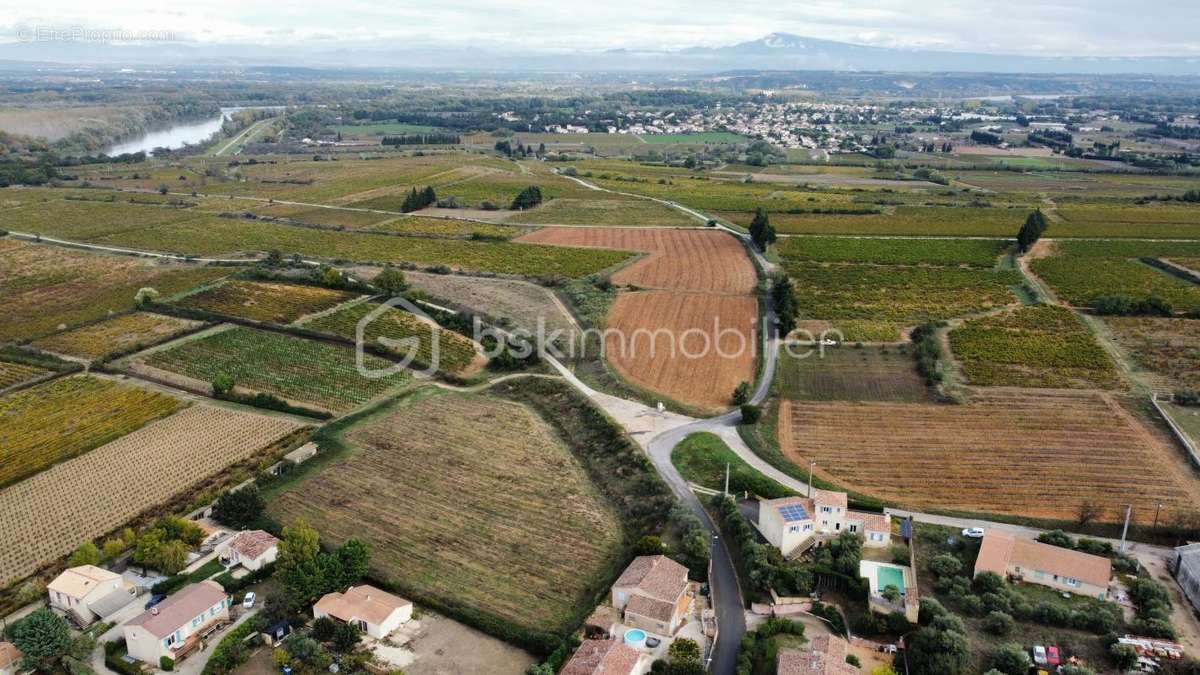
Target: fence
[{"x": 1180, "y": 435}]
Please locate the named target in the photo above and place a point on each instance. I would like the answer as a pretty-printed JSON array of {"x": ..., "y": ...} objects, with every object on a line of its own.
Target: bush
[
  {"x": 166, "y": 663},
  {"x": 1123, "y": 656},
  {"x": 1011, "y": 659},
  {"x": 945, "y": 565},
  {"x": 988, "y": 582},
  {"x": 741, "y": 393},
  {"x": 751, "y": 414},
  {"x": 999, "y": 623}
]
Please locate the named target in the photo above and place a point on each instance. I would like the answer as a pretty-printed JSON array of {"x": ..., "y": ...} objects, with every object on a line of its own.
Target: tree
[
  {"x": 1088, "y": 511},
  {"x": 762, "y": 233},
  {"x": 113, "y": 547},
  {"x": 1123, "y": 656},
  {"x": 1035, "y": 225},
  {"x": 145, "y": 296},
  {"x": 222, "y": 385},
  {"x": 683, "y": 650},
  {"x": 323, "y": 629},
  {"x": 352, "y": 561},
  {"x": 527, "y": 198},
  {"x": 945, "y": 565},
  {"x": 391, "y": 281},
  {"x": 239, "y": 509},
  {"x": 274, "y": 258},
  {"x": 86, "y": 554},
  {"x": 43, "y": 638},
  {"x": 891, "y": 593},
  {"x": 172, "y": 556},
  {"x": 649, "y": 545},
  {"x": 998, "y": 623},
  {"x": 741, "y": 393},
  {"x": 783, "y": 301},
  {"x": 939, "y": 650},
  {"x": 163, "y": 189},
  {"x": 751, "y": 414},
  {"x": 988, "y": 582},
  {"x": 345, "y": 638},
  {"x": 298, "y": 564}
]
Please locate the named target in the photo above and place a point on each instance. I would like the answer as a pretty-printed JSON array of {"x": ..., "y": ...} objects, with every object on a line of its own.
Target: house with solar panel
[{"x": 795, "y": 524}]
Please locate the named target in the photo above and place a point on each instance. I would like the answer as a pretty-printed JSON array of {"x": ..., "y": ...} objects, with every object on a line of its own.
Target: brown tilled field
[
  {"x": 683, "y": 259},
  {"x": 1019, "y": 452},
  {"x": 656, "y": 339},
  {"x": 46, "y": 516},
  {"x": 469, "y": 499}
]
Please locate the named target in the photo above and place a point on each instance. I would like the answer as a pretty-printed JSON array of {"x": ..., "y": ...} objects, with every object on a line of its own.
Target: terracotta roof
[
  {"x": 365, "y": 603},
  {"x": 829, "y": 498},
  {"x": 1000, "y": 550},
  {"x": 253, "y": 543},
  {"x": 601, "y": 657},
  {"x": 826, "y": 655},
  {"x": 9, "y": 655},
  {"x": 651, "y": 608},
  {"x": 79, "y": 581},
  {"x": 656, "y": 576},
  {"x": 872, "y": 522},
  {"x": 166, "y": 617}
]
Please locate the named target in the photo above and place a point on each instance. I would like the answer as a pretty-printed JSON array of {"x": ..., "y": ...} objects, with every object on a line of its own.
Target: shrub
[
  {"x": 166, "y": 663},
  {"x": 1011, "y": 659},
  {"x": 988, "y": 582},
  {"x": 741, "y": 393},
  {"x": 998, "y": 623},
  {"x": 1123, "y": 656},
  {"x": 945, "y": 565},
  {"x": 751, "y": 414}
]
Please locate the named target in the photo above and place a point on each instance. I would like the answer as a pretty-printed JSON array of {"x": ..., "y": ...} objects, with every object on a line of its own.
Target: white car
[
  {"x": 1039, "y": 655},
  {"x": 973, "y": 532},
  {"x": 248, "y": 601}
]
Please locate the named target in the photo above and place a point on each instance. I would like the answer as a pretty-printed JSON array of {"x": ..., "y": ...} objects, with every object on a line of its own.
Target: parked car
[
  {"x": 973, "y": 532},
  {"x": 653, "y": 642},
  {"x": 1052, "y": 657},
  {"x": 1039, "y": 655},
  {"x": 155, "y": 599},
  {"x": 248, "y": 601}
]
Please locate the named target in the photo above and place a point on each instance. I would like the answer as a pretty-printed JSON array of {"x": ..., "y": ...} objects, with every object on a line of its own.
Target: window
[
  {"x": 825, "y": 509},
  {"x": 808, "y": 527},
  {"x": 853, "y": 527},
  {"x": 1071, "y": 582},
  {"x": 196, "y": 621},
  {"x": 794, "y": 528}
]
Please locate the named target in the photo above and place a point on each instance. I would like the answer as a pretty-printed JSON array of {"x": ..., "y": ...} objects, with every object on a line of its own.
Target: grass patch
[
  {"x": 702, "y": 458},
  {"x": 847, "y": 373}
]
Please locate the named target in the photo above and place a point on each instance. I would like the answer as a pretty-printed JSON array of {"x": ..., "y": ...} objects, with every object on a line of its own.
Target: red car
[{"x": 1052, "y": 657}]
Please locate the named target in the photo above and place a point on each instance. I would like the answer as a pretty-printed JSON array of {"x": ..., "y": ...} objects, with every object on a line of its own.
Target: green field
[
  {"x": 703, "y": 137},
  {"x": 972, "y": 252},
  {"x": 305, "y": 371},
  {"x": 1081, "y": 271},
  {"x": 954, "y": 221},
  {"x": 868, "y": 302},
  {"x": 454, "y": 352},
  {"x": 1043, "y": 346},
  {"x": 383, "y": 129},
  {"x": 702, "y": 459},
  {"x": 199, "y": 234},
  {"x": 64, "y": 418}
]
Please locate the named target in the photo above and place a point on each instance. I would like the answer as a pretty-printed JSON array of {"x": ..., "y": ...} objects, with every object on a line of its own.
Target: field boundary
[{"x": 1179, "y": 433}]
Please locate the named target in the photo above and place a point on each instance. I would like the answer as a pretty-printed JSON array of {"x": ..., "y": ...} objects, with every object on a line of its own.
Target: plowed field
[
  {"x": 690, "y": 259},
  {"x": 48, "y": 515},
  {"x": 1011, "y": 451},
  {"x": 668, "y": 342}
]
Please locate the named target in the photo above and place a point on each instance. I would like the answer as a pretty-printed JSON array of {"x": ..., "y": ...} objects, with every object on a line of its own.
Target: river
[{"x": 176, "y": 135}]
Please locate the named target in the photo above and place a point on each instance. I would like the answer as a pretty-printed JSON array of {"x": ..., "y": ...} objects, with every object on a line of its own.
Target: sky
[{"x": 1030, "y": 27}]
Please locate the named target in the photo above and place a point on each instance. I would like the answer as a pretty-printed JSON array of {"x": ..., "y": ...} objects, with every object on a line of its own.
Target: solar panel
[{"x": 793, "y": 512}]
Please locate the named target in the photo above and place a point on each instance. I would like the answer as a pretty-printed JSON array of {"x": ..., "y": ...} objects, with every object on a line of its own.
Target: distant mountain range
[{"x": 777, "y": 52}]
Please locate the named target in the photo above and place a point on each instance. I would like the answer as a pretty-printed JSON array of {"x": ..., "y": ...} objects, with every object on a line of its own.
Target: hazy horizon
[{"x": 1104, "y": 28}]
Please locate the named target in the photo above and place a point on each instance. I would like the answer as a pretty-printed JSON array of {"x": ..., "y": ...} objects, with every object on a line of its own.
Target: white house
[
  {"x": 792, "y": 524},
  {"x": 377, "y": 613},
  {"x": 89, "y": 592},
  {"x": 251, "y": 549},
  {"x": 177, "y": 625}
]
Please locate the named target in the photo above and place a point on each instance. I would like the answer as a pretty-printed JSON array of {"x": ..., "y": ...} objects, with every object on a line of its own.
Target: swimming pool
[
  {"x": 889, "y": 576},
  {"x": 635, "y": 637}
]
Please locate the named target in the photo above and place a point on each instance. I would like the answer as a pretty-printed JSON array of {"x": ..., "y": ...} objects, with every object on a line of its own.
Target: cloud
[{"x": 1096, "y": 27}]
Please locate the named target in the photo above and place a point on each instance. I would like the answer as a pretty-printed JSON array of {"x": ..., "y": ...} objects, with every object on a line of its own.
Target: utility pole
[
  {"x": 811, "y": 464},
  {"x": 1125, "y": 529},
  {"x": 1156, "y": 511},
  {"x": 726, "y": 479}
]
